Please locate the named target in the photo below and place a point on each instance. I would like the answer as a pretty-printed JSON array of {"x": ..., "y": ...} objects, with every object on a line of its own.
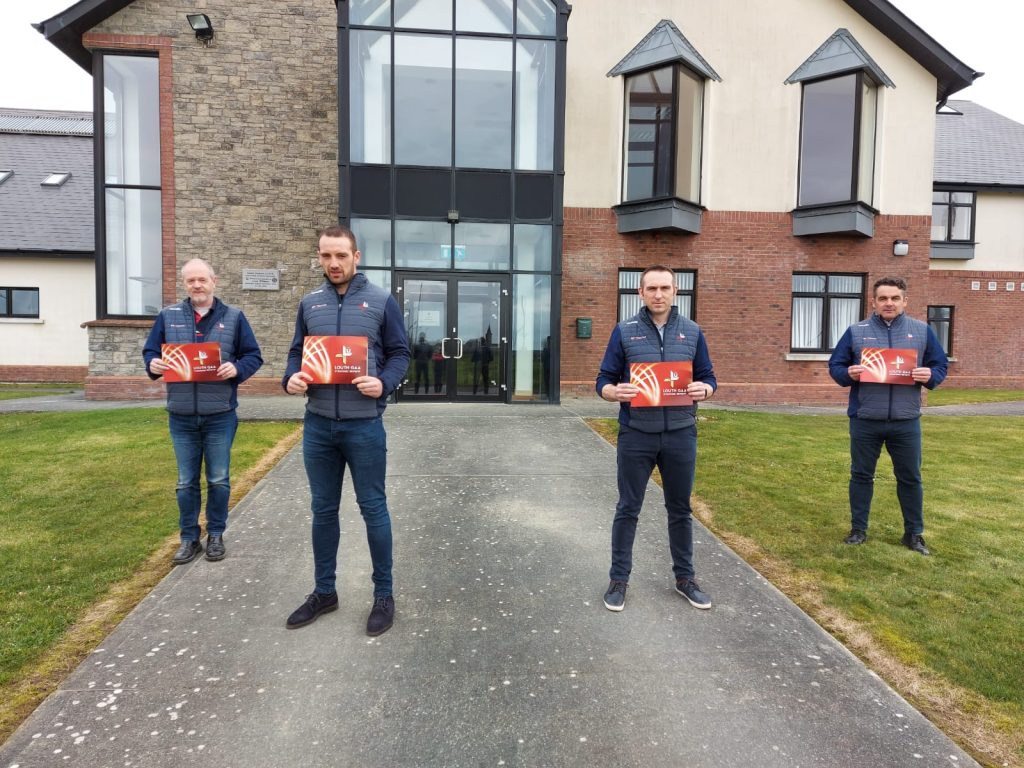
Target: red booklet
[
  {"x": 887, "y": 366},
  {"x": 661, "y": 383},
  {"x": 334, "y": 359},
  {"x": 191, "y": 362}
]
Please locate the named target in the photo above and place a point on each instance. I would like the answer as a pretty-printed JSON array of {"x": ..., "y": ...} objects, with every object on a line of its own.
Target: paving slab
[{"x": 502, "y": 653}]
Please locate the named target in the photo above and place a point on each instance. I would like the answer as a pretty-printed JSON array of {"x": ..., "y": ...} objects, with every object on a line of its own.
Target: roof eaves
[
  {"x": 951, "y": 73},
  {"x": 65, "y": 30}
]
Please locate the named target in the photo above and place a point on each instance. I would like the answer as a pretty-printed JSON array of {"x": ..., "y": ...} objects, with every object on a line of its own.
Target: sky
[{"x": 984, "y": 34}]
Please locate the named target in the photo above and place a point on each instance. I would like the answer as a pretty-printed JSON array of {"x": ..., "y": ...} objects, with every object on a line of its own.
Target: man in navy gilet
[
  {"x": 887, "y": 414},
  {"x": 665, "y": 437},
  {"x": 343, "y": 424},
  {"x": 202, "y": 414}
]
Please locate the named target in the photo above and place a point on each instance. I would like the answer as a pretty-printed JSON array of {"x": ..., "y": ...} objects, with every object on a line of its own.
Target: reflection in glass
[
  {"x": 370, "y": 83},
  {"x": 425, "y": 306},
  {"x": 424, "y": 244},
  {"x": 940, "y": 221},
  {"x": 134, "y": 255},
  {"x": 374, "y": 240},
  {"x": 423, "y": 14},
  {"x": 649, "y": 129},
  {"x": 532, "y": 248},
  {"x": 535, "y": 105},
  {"x": 131, "y": 120},
  {"x": 535, "y": 17},
  {"x": 483, "y": 103},
  {"x": 532, "y": 355},
  {"x": 378, "y": 277},
  {"x": 423, "y": 100},
  {"x": 24, "y": 302},
  {"x": 690, "y": 97},
  {"x": 484, "y": 16},
  {"x": 481, "y": 246},
  {"x": 826, "y": 140},
  {"x": 373, "y": 13},
  {"x": 866, "y": 169},
  {"x": 479, "y": 351}
]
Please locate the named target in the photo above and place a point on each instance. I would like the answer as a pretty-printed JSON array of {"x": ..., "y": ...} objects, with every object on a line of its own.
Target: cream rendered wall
[
  {"x": 999, "y": 234},
  {"x": 67, "y": 298},
  {"x": 752, "y": 119}
]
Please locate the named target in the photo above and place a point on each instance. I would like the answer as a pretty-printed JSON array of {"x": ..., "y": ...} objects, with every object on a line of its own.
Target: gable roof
[
  {"x": 840, "y": 53},
  {"x": 38, "y": 219},
  {"x": 65, "y": 31},
  {"x": 978, "y": 147},
  {"x": 663, "y": 44}
]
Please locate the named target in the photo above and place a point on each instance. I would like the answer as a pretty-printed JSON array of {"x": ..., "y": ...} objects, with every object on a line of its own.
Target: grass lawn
[
  {"x": 86, "y": 500},
  {"x": 944, "y": 630},
  {"x": 946, "y": 396},
  {"x": 15, "y": 391}
]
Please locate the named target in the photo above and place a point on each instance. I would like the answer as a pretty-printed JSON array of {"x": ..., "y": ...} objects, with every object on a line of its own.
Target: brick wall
[
  {"x": 744, "y": 263},
  {"x": 254, "y": 167},
  {"x": 63, "y": 374},
  {"x": 987, "y": 327}
]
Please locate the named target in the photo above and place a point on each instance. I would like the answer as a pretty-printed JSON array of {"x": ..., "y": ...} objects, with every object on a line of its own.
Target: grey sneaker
[
  {"x": 915, "y": 541},
  {"x": 691, "y": 590},
  {"x": 615, "y": 597},
  {"x": 856, "y": 537}
]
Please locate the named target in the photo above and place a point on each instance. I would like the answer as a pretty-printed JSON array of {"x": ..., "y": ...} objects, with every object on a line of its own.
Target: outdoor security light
[
  {"x": 200, "y": 23},
  {"x": 900, "y": 247}
]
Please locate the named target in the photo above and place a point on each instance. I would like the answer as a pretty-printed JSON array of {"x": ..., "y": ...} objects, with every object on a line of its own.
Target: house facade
[
  {"x": 47, "y": 261},
  {"x": 509, "y": 167}
]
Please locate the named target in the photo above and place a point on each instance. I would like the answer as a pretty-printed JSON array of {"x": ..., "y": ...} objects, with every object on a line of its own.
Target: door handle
[
  {"x": 444, "y": 347},
  {"x": 458, "y": 356}
]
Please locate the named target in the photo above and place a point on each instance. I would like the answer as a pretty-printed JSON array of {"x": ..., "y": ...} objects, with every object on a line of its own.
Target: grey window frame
[
  {"x": 950, "y": 206},
  {"x": 826, "y": 297},
  {"x": 933, "y": 322},
  {"x": 9, "y": 312}
]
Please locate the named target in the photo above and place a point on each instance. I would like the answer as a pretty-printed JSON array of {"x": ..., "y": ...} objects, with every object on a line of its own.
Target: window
[
  {"x": 940, "y": 319},
  {"x": 953, "y": 216},
  {"x": 19, "y": 302},
  {"x": 629, "y": 297},
  {"x": 131, "y": 259},
  {"x": 824, "y": 306},
  {"x": 837, "y": 140}
]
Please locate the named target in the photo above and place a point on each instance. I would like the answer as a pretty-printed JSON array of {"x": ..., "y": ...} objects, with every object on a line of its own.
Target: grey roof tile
[{"x": 978, "y": 146}]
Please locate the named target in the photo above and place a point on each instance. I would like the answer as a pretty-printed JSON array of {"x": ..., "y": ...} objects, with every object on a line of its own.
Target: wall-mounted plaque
[{"x": 261, "y": 280}]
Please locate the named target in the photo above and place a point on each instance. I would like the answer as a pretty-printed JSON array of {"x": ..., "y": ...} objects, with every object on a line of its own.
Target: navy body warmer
[
  {"x": 201, "y": 398},
  {"x": 896, "y": 402}
]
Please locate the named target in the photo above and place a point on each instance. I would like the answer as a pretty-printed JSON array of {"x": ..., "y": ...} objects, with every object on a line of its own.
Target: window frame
[
  {"x": 825, "y": 316},
  {"x": 950, "y": 205},
  {"x": 948, "y": 321},
  {"x": 691, "y": 292},
  {"x": 8, "y": 313},
  {"x": 860, "y": 76}
]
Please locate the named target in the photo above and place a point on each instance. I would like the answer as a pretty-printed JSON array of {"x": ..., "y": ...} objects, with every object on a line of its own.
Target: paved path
[{"x": 502, "y": 653}]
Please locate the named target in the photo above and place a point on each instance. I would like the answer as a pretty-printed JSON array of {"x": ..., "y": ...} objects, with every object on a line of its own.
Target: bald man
[{"x": 202, "y": 414}]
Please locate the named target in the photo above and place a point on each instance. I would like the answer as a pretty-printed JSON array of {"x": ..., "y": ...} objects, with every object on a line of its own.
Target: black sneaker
[
  {"x": 187, "y": 552},
  {"x": 915, "y": 541},
  {"x": 615, "y": 597},
  {"x": 308, "y": 612},
  {"x": 381, "y": 617},
  {"x": 691, "y": 590},
  {"x": 856, "y": 537},
  {"x": 215, "y": 547}
]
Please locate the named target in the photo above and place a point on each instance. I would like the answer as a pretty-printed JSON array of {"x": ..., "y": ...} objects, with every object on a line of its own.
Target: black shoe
[
  {"x": 915, "y": 541},
  {"x": 308, "y": 612},
  {"x": 615, "y": 597},
  {"x": 381, "y": 617},
  {"x": 856, "y": 537},
  {"x": 215, "y": 547},
  {"x": 187, "y": 552},
  {"x": 691, "y": 590}
]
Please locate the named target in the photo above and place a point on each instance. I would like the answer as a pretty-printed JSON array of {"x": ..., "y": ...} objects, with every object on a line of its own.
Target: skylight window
[
  {"x": 56, "y": 179},
  {"x": 5, "y": 175}
]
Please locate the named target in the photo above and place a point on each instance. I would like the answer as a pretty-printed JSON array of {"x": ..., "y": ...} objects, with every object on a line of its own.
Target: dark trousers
[
  {"x": 638, "y": 453},
  {"x": 902, "y": 439}
]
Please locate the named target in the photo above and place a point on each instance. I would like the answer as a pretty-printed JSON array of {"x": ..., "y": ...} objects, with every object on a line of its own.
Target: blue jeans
[
  {"x": 902, "y": 439},
  {"x": 328, "y": 445},
  {"x": 675, "y": 454},
  {"x": 197, "y": 439}
]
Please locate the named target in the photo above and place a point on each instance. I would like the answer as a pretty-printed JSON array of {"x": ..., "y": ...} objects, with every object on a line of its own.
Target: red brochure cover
[
  {"x": 661, "y": 384},
  {"x": 887, "y": 366},
  {"x": 334, "y": 359},
  {"x": 191, "y": 362}
]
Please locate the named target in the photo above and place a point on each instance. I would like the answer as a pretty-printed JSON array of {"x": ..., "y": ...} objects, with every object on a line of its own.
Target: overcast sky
[{"x": 984, "y": 34}]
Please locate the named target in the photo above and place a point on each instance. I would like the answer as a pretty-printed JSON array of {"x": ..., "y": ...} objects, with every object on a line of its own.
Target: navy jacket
[
  {"x": 887, "y": 402},
  {"x": 205, "y": 398},
  {"x": 684, "y": 339}
]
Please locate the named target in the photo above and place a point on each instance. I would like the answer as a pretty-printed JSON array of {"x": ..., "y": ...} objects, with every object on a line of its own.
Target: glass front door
[{"x": 456, "y": 326}]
